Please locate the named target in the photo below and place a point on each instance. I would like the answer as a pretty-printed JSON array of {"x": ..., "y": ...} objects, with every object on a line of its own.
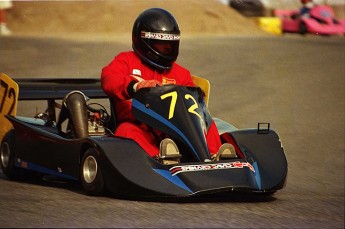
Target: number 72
[
  {"x": 173, "y": 96},
  {"x": 9, "y": 93}
]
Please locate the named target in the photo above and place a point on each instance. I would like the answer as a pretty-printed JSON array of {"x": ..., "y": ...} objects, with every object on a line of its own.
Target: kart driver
[
  {"x": 155, "y": 41},
  {"x": 307, "y": 6}
]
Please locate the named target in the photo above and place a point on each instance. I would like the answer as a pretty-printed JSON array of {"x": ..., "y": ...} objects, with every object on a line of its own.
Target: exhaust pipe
[{"x": 74, "y": 107}]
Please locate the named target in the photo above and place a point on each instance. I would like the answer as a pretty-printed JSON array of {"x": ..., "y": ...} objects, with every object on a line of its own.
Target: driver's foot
[
  {"x": 226, "y": 151},
  {"x": 169, "y": 153}
]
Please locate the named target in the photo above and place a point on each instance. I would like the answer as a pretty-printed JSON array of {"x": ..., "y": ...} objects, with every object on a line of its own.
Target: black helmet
[{"x": 156, "y": 38}]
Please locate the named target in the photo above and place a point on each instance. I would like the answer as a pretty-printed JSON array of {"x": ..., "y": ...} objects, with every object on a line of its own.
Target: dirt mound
[{"x": 109, "y": 18}]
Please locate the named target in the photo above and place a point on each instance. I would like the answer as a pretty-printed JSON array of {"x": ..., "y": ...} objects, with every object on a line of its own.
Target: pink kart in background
[{"x": 321, "y": 21}]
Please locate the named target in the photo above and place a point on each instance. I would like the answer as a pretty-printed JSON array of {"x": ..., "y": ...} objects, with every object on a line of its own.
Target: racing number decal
[
  {"x": 9, "y": 93},
  {"x": 173, "y": 96},
  {"x": 194, "y": 106}
]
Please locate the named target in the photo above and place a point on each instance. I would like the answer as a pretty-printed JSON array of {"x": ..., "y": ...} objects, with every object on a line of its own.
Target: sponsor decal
[
  {"x": 168, "y": 81},
  {"x": 24, "y": 164},
  {"x": 160, "y": 36},
  {"x": 205, "y": 167},
  {"x": 136, "y": 72}
]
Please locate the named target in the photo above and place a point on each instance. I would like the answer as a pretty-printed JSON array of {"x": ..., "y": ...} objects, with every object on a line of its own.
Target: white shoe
[
  {"x": 4, "y": 30},
  {"x": 226, "y": 151},
  {"x": 169, "y": 153}
]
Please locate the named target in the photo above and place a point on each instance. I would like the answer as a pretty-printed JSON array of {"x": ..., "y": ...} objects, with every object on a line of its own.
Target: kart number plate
[{"x": 9, "y": 91}]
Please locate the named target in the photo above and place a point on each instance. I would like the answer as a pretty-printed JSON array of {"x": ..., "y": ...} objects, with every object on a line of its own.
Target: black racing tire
[
  {"x": 249, "y": 8},
  {"x": 302, "y": 28},
  {"x": 7, "y": 156},
  {"x": 91, "y": 175},
  {"x": 266, "y": 194}
]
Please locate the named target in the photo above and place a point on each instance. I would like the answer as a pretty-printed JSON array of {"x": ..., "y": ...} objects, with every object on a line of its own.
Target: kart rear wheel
[
  {"x": 7, "y": 156},
  {"x": 91, "y": 175}
]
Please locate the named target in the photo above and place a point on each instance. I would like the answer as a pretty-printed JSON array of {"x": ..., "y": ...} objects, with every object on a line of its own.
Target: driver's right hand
[{"x": 146, "y": 83}]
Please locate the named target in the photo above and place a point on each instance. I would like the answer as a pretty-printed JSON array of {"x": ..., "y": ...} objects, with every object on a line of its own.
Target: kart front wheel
[
  {"x": 7, "y": 156},
  {"x": 91, "y": 175}
]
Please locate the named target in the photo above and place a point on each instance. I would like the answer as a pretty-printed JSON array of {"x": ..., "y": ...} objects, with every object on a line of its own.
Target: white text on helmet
[{"x": 160, "y": 36}]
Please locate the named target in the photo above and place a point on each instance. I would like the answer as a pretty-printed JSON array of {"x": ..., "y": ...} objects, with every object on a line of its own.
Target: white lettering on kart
[{"x": 194, "y": 168}]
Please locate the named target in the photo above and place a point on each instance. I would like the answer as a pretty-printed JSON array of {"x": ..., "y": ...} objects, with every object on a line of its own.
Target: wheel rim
[
  {"x": 90, "y": 169},
  {"x": 5, "y": 154}
]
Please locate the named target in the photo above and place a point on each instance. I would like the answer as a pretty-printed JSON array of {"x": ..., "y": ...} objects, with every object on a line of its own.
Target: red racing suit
[{"x": 117, "y": 81}]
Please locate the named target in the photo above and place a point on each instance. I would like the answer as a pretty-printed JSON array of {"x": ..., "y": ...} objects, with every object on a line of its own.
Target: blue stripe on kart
[
  {"x": 41, "y": 169},
  {"x": 174, "y": 179},
  {"x": 257, "y": 175},
  {"x": 138, "y": 105}
]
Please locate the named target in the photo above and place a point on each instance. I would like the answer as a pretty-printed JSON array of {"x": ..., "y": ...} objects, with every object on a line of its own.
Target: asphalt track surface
[{"x": 296, "y": 83}]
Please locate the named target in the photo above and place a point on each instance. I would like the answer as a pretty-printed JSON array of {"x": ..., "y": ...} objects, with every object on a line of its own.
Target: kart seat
[{"x": 204, "y": 84}]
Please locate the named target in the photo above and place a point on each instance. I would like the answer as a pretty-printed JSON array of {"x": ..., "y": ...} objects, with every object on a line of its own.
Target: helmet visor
[{"x": 165, "y": 48}]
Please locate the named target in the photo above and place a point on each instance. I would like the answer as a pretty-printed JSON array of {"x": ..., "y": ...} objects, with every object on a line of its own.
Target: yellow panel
[
  {"x": 270, "y": 24},
  {"x": 9, "y": 92},
  {"x": 204, "y": 84}
]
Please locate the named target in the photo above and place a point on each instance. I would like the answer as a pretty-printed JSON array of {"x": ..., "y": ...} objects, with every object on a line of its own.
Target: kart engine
[{"x": 96, "y": 119}]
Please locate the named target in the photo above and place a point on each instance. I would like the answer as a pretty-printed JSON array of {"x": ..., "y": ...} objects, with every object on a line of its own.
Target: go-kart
[
  {"x": 101, "y": 161},
  {"x": 320, "y": 21}
]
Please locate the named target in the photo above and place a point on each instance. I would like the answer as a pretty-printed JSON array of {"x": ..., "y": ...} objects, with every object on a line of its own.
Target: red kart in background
[{"x": 321, "y": 20}]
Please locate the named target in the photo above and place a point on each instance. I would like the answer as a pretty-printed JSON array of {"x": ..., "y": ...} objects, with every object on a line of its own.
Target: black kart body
[{"x": 124, "y": 167}]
